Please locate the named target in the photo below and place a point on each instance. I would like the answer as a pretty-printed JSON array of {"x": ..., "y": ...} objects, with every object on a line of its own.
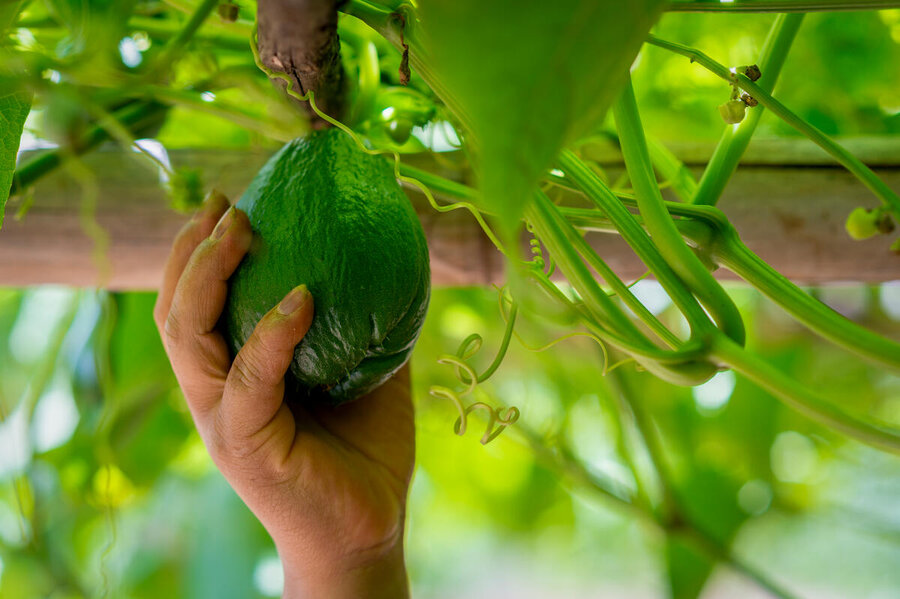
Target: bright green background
[
  {"x": 815, "y": 513},
  {"x": 818, "y": 514}
]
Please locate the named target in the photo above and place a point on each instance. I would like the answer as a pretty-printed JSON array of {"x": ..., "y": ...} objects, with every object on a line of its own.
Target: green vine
[
  {"x": 868, "y": 178},
  {"x": 735, "y": 139},
  {"x": 465, "y": 373}
]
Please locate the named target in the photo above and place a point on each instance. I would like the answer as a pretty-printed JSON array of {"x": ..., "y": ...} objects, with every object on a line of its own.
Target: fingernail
[
  {"x": 212, "y": 196},
  {"x": 213, "y": 199},
  {"x": 223, "y": 224},
  {"x": 293, "y": 300}
]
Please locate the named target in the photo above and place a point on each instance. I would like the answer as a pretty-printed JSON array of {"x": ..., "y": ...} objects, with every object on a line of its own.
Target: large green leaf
[
  {"x": 688, "y": 568},
  {"x": 9, "y": 11},
  {"x": 710, "y": 502},
  {"x": 14, "y": 107},
  {"x": 526, "y": 77}
]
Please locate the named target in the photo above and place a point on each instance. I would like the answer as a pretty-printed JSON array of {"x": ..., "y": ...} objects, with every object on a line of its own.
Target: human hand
[{"x": 329, "y": 484}]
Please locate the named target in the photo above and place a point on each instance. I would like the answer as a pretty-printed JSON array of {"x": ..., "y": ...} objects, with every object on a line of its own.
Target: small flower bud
[
  {"x": 733, "y": 111},
  {"x": 228, "y": 11},
  {"x": 752, "y": 72}
]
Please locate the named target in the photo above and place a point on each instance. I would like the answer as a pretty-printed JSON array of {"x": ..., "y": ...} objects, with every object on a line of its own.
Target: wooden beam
[{"x": 791, "y": 215}]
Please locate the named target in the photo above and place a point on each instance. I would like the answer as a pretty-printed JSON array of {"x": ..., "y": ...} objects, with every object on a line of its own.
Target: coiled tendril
[{"x": 498, "y": 419}]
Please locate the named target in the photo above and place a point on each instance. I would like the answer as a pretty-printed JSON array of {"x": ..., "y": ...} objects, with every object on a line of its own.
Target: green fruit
[
  {"x": 327, "y": 214},
  {"x": 399, "y": 130},
  {"x": 732, "y": 111},
  {"x": 862, "y": 223}
]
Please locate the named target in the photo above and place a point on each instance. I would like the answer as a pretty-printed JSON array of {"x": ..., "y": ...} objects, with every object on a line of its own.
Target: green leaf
[
  {"x": 710, "y": 501},
  {"x": 9, "y": 11},
  {"x": 525, "y": 78},
  {"x": 14, "y": 108},
  {"x": 688, "y": 569}
]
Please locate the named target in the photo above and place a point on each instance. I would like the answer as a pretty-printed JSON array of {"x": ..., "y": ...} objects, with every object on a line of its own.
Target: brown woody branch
[{"x": 299, "y": 38}]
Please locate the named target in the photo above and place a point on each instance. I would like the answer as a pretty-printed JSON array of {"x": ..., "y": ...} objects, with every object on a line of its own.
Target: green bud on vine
[
  {"x": 752, "y": 72},
  {"x": 228, "y": 11},
  {"x": 732, "y": 111},
  {"x": 885, "y": 223},
  {"x": 863, "y": 223},
  {"x": 749, "y": 100},
  {"x": 399, "y": 130}
]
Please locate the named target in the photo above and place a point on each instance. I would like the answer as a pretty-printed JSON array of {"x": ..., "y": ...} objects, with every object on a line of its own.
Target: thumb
[{"x": 254, "y": 388}]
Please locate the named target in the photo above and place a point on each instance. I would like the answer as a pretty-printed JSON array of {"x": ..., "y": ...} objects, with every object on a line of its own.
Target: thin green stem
[
  {"x": 134, "y": 116},
  {"x": 400, "y": 27},
  {"x": 672, "y": 170},
  {"x": 799, "y": 398},
  {"x": 666, "y": 236},
  {"x": 190, "y": 99},
  {"x": 627, "y": 442},
  {"x": 780, "y": 6},
  {"x": 683, "y": 366},
  {"x": 618, "y": 384},
  {"x": 561, "y": 460},
  {"x": 368, "y": 81},
  {"x": 736, "y": 257},
  {"x": 717, "y": 550},
  {"x": 620, "y": 288},
  {"x": 736, "y": 138},
  {"x": 504, "y": 344},
  {"x": 707, "y": 227},
  {"x": 167, "y": 29},
  {"x": 559, "y": 237},
  {"x": 841, "y": 154},
  {"x": 181, "y": 39},
  {"x": 240, "y": 27},
  {"x": 440, "y": 184},
  {"x": 158, "y": 29},
  {"x": 673, "y": 519},
  {"x": 634, "y": 234}
]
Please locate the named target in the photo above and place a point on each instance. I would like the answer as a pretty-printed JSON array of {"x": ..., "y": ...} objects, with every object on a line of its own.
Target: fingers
[
  {"x": 252, "y": 411},
  {"x": 198, "y": 353},
  {"x": 190, "y": 236}
]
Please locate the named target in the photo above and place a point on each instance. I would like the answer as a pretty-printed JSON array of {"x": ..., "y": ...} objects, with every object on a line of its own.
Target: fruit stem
[
  {"x": 841, "y": 154},
  {"x": 736, "y": 138},
  {"x": 668, "y": 240}
]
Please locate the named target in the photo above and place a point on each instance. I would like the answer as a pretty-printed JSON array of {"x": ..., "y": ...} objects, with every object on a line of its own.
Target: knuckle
[
  {"x": 171, "y": 329},
  {"x": 203, "y": 253},
  {"x": 250, "y": 372},
  {"x": 209, "y": 258},
  {"x": 247, "y": 454}
]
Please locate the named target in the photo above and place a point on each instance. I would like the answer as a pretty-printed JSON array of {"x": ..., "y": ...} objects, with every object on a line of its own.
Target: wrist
[{"x": 377, "y": 573}]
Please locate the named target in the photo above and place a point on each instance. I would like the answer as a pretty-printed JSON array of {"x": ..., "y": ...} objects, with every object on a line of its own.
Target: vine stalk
[{"x": 736, "y": 138}]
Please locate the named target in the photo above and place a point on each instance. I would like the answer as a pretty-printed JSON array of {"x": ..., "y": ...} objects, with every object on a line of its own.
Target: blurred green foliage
[
  {"x": 106, "y": 490},
  {"x": 841, "y": 74}
]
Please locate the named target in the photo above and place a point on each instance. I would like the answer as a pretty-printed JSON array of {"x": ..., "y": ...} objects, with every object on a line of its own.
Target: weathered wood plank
[
  {"x": 874, "y": 150},
  {"x": 791, "y": 215}
]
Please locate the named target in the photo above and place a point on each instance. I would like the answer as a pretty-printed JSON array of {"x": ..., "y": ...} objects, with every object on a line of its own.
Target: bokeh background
[
  {"x": 105, "y": 477},
  {"x": 106, "y": 490}
]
